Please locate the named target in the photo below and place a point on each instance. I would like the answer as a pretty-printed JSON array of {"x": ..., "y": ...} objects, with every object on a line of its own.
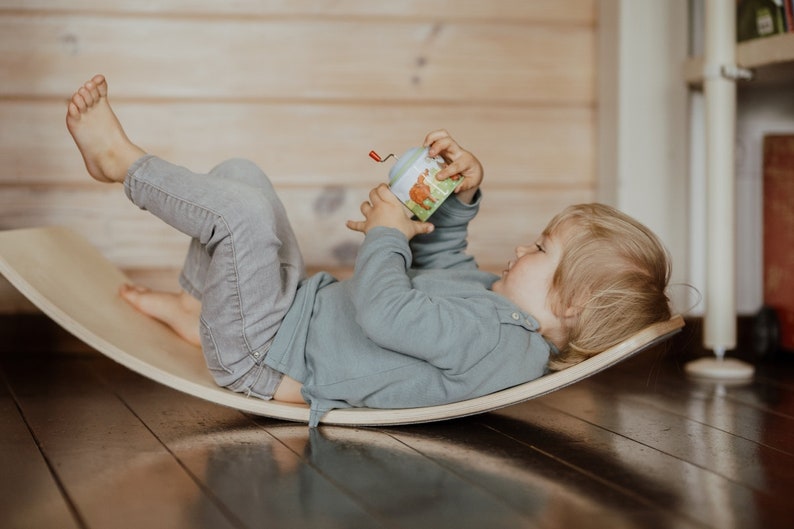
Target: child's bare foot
[
  {"x": 106, "y": 150},
  {"x": 180, "y": 311}
]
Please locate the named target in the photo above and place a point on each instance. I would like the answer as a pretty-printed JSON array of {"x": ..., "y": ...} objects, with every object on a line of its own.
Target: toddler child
[{"x": 418, "y": 324}]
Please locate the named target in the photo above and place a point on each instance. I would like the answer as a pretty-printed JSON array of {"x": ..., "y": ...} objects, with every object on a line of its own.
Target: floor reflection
[
  {"x": 412, "y": 475},
  {"x": 624, "y": 449},
  {"x": 724, "y": 448}
]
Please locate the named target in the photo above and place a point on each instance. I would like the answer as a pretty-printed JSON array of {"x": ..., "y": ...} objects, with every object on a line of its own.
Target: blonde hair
[{"x": 612, "y": 275}]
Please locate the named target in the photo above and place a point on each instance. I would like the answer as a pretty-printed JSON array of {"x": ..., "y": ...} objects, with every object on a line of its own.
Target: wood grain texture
[
  {"x": 30, "y": 496},
  {"x": 538, "y": 483},
  {"x": 257, "y": 475},
  {"x": 336, "y": 60},
  {"x": 310, "y": 144},
  {"x": 107, "y": 479},
  {"x": 560, "y": 11},
  {"x": 756, "y": 415},
  {"x": 680, "y": 486},
  {"x": 305, "y": 90},
  {"x": 623, "y": 449},
  {"x": 132, "y": 238}
]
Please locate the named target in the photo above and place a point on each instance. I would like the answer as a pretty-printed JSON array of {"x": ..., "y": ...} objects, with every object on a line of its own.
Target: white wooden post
[{"x": 719, "y": 89}]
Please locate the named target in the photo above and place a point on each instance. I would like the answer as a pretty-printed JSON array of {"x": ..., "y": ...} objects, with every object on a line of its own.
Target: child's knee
[
  {"x": 247, "y": 211},
  {"x": 243, "y": 171}
]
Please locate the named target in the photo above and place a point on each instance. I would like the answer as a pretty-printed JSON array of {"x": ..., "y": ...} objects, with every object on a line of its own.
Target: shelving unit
[
  {"x": 752, "y": 54},
  {"x": 766, "y": 51}
]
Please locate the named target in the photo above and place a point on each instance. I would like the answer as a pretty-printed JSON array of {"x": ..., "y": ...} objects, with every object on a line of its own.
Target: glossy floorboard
[{"x": 86, "y": 443}]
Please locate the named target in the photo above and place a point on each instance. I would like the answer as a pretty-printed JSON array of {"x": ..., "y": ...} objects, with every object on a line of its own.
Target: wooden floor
[{"x": 86, "y": 443}]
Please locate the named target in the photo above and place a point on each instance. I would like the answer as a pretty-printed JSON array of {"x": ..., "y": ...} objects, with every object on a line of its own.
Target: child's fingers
[
  {"x": 365, "y": 208},
  {"x": 458, "y": 167},
  {"x": 451, "y": 169},
  {"x": 446, "y": 147},
  {"x": 356, "y": 225},
  {"x": 380, "y": 193},
  {"x": 373, "y": 194},
  {"x": 422, "y": 227},
  {"x": 442, "y": 143},
  {"x": 388, "y": 195},
  {"x": 434, "y": 136}
]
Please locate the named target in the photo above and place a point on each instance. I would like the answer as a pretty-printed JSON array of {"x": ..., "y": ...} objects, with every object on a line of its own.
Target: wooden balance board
[{"x": 72, "y": 283}]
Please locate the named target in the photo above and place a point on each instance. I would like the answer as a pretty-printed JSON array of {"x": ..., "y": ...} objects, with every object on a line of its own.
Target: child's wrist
[{"x": 467, "y": 196}]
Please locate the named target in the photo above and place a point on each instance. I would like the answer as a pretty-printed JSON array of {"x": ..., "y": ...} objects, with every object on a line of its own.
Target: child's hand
[
  {"x": 384, "y": 209},
  {"x": 460, "y": 164}
]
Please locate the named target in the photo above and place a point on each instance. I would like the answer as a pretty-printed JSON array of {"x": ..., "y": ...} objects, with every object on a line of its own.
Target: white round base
[{"x": 725, "y": 369}]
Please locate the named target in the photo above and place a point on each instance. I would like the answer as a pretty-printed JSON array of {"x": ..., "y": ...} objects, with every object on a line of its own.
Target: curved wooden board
[{"x": 72, "y": 283}]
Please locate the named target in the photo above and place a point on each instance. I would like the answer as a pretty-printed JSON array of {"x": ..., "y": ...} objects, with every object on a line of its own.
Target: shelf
[{"x": 753, "y": 54}]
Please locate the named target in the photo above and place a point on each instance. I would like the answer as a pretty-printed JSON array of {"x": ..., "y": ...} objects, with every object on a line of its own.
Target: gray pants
[{"x": 243, "y": 263}]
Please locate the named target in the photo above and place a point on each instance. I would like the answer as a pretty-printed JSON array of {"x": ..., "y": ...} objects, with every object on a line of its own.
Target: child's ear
[{"x": 571, "y": 312}]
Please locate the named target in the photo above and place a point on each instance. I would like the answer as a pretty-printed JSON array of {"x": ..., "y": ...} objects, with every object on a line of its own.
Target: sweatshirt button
[{"x": 516, "y": 316}]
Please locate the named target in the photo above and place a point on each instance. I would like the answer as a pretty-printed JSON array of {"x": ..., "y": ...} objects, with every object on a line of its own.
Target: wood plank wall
[{"x": 305, "y": 89}]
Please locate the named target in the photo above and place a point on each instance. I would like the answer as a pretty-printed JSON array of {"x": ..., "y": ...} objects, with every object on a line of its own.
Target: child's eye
[{"x": 540, "y": 248}]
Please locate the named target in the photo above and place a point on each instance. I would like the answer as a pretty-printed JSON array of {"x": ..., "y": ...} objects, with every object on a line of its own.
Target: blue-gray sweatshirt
[{"x": 416, "y": 325}]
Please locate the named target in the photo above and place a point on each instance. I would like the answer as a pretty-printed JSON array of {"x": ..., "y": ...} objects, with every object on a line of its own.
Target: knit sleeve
[
  {"x": 449, "y": 332},
  {"x": 445, "y": 247}
]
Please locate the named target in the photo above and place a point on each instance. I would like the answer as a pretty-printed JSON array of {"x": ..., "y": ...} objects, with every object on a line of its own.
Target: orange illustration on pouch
[{"x": 421, "y": 191}]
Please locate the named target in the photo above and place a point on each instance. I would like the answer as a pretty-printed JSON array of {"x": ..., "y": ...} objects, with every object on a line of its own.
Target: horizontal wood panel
[
  {"x": 135, "y": 239},
  {"x": 304, "y": 89},
  {"x": 299, "y": 58},
  {"x": 562, "y": 11},
  {"x": 305, "y": 144},
  {"x": 151, "y": 252}
]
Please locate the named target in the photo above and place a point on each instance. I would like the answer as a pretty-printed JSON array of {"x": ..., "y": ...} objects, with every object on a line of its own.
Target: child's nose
[{"x": 521, "y": 250}]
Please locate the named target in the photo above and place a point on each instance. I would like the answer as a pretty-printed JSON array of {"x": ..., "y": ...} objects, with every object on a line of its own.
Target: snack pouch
[{"x": 413, "y": 180}]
